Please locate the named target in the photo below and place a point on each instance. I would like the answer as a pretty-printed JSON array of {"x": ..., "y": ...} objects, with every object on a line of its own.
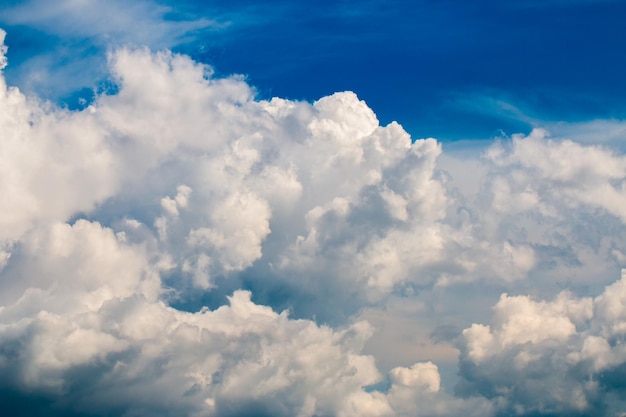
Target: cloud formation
[
  {"x": 179, "y": 183},
  {"x": 559, "y": 357}
]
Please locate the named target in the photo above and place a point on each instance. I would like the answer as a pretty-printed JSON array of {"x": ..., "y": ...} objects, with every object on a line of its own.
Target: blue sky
[
  {"x": 329, "y": 208},
  {"x": 447, "y": 69}
]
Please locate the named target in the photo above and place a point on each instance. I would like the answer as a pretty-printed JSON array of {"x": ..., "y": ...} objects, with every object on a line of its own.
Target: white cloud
[
  {"x": 549, "y": 357},
  {"x": 57, "y": 163},
  {"x": 3, "y": 50},
  {"x": 181, "y": 185},
  {"x": 82, "y": 297},
  {"x": 142, "y": 22},
  {"x": 91, "y": 301}
]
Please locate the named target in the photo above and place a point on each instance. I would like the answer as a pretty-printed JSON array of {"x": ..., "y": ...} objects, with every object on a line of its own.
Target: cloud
[
  {"x": 57, "y": 162},
  {"x": 610, "y": 132},
  {"x": 88, "y": 314},
  {"x": 296, "y": 221},
  {"x": 3, "y": 50},
  {"x": 83, "y": 320},
  {"x": 87, "y": 330},
  {"x": 142, "y": 22},
  {"x": 558, "y": 357},
  {"x": 67, "y": 41}
]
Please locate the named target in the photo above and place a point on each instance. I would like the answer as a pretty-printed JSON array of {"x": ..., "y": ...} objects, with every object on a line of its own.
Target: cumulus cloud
[
  {"x": 84, "y": 322},
  {"x": 584, "y": 174},
  {"x": 560, "y": 357},
  {"x": 89, "y": 302},
  {"x": 179, "y": 185},
  {"x": 85, "y": 326}
]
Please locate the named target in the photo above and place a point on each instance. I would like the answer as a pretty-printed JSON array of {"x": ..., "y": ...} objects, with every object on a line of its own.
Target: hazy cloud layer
[{"x": 179, "y": 185}]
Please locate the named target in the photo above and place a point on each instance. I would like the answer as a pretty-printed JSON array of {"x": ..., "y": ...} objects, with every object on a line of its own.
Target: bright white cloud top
[{"x": 179, "y": 183}]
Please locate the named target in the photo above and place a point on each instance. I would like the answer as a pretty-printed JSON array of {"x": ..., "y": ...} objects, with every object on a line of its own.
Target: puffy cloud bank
[
  {"x": 561, "y": 357},
  {"x": 178, "y": 185}
]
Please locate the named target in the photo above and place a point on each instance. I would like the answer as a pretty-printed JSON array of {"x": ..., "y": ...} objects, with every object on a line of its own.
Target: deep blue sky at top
[{"x": 450, "y": 69}]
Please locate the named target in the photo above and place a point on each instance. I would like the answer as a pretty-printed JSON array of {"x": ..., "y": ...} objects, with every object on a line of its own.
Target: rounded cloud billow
[
  {"x": 567, "y": 355},
  {"x": 311, "y": 225}
]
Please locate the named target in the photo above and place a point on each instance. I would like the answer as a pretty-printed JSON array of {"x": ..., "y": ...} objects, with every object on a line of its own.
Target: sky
[{"x": 312, "y": 208}]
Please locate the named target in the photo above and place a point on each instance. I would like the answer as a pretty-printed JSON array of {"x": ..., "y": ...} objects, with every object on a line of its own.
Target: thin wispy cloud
[
  {"x": 139, "y": 22},
  {"x": 77, "y": 34}
]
